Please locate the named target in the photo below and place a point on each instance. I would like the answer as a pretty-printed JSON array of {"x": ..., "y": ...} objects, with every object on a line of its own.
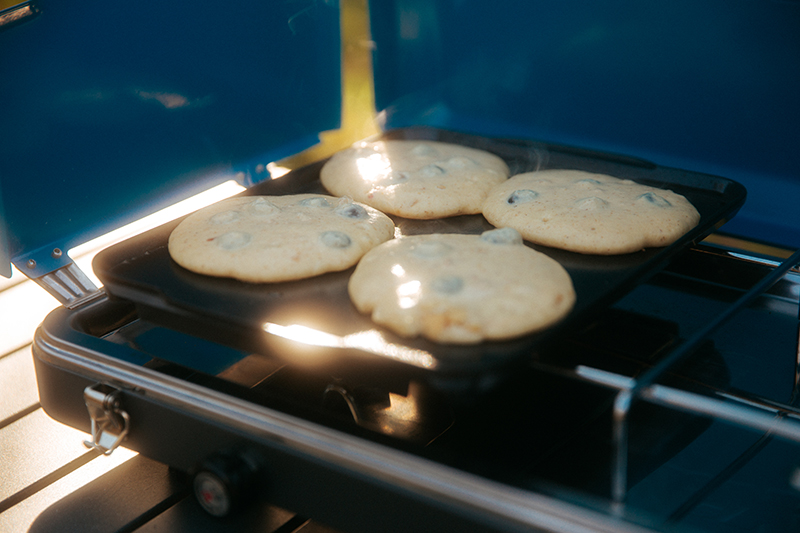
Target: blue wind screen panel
[
  {"x": 111, "y": 110},
  {"x": 711, "y": 86}
]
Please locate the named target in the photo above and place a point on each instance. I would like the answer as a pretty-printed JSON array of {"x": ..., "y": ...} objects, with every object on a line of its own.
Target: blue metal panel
[
  {"x": 710, "y": 86},
  {"x": 111, "y": 110}
]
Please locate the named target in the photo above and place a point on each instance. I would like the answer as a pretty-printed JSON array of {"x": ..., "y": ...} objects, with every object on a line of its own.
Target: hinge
[
  {"x": 110, "y": 423},
  {"x": 17, "y": 14},
  {"x": 70, "y": 286}
]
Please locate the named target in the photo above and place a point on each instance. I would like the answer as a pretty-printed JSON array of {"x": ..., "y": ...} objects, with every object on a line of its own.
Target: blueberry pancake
[
  {"x": 461, "y": 289},
  {"x": 414, "y": 179},
  {"x": 589, "y": 213},
  {"x": 277, "y": 238}
]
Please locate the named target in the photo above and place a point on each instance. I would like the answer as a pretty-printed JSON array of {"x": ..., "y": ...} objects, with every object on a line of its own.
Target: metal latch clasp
[{"x": 110, "y": 423}]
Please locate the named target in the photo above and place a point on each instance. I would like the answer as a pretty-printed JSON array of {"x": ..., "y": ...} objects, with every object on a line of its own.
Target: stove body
[
  {"x": 672, "y": 409},
  {"x": 712, "y": 446}
]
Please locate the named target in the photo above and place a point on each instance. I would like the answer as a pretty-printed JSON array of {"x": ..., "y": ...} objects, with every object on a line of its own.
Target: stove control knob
[{"x": 224, "y": 482}]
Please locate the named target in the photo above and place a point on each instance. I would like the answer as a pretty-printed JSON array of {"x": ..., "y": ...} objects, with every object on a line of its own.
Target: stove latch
[{"x": 109, "y": 422}]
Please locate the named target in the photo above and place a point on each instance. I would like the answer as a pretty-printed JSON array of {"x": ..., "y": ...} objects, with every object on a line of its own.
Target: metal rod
[
  {"x": 686, "y": 347},
  {"x": 740, "y": 408},
  {"x": 619, "y": 478},
  {"x": 796, "y": 389},
  {"x": 626, "y": 398}
]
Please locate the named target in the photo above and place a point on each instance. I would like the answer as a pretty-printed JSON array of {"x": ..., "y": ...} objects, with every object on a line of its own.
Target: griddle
[{"x": 234, "y": 313}]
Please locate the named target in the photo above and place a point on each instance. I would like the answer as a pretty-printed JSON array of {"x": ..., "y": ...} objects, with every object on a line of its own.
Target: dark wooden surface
[{"x": 51, "y": 482}]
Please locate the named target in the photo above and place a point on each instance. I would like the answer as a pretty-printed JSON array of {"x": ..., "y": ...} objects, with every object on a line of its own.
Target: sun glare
[
  {"x": 371, "y": 341},
  {"x": 398, "y": 271},
  {"x": 374, "y": 167},
  {"x": 408, "y": 294}
]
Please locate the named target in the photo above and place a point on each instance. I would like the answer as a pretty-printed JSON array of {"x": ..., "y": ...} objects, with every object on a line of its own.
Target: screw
[
  {"x": 31, "y": 263},
  {"x": 56, "y": 253}
]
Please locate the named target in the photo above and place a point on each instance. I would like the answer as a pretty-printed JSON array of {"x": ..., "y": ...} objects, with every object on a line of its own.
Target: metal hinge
[
  {"x": 70, "y": 286},
  {"x": 17, "y": 14},
  {"x": 110, "y": 423}
]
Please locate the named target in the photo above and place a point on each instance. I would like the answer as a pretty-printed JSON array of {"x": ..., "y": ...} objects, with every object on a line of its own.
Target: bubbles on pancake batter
[
  {"x": 459, "y": 162},
  {"x": 424, "y": 150},
  {"x": 431, "y": 171},
  {"x": 353, "y": 211},
  {"x": 653, "y": 199},
  {"x": 447, "y": 284},
  {"x": 430, "y": 249},
  {"x": 226, "y": 217},
  {"x": 588, "y": 184},
  {"x": 315, "y": 202},
  {"x": 521, "y": 196},
  {"x": 335, "y": 239},
  {"x": 262, "y": 206},
  {"x": 394, "y": 177},
  {"x": 591, "y": 203},
  {"x": 502, "y": 236},
  {"x": 233, "y": 240}
]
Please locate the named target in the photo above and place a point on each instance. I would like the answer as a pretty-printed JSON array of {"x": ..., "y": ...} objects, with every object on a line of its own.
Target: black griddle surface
[{"x": 234, "y": 313}]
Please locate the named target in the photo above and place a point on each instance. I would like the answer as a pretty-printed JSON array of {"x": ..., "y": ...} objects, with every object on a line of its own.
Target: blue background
[
  {"x": 111, "y": 110},
  {"x": 711, "y": 86}
]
